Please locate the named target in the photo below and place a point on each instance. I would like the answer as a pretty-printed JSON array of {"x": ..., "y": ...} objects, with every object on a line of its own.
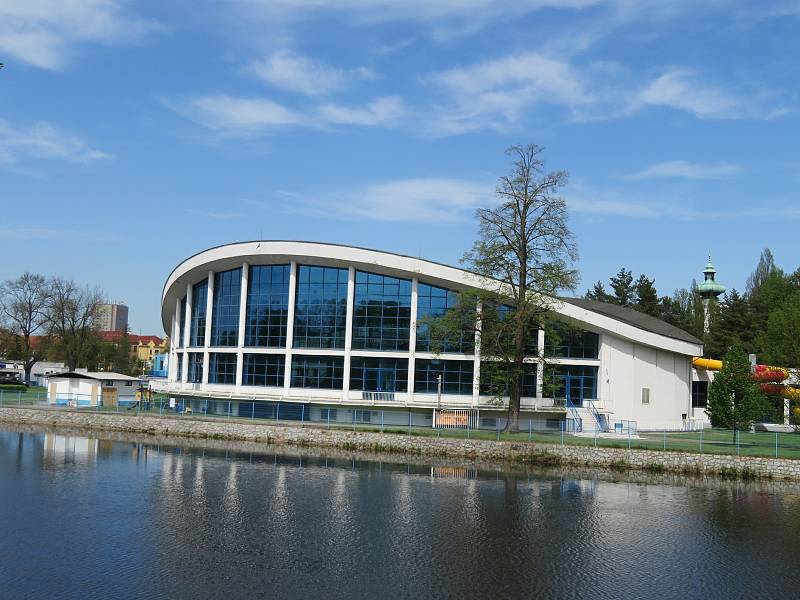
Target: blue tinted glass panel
[
  {"x": 195, "y": 367},
  {"x": 267, "y": 306},
  {"x": 381, "y": 312},
  {"x": 456, "y": 376},
  {"x": 225, "y": 309},
  {"x": 320, "y": 372},
  {"x": 320, "y": 307},
  {"x": 378, "y": 374},
  {"x": 581, "y": 376},
  {"x": 222, "y": 368},
  {"x": 178, "y": 367},
  {"x": 435, "y": 301},
  {"x": 197, "y": 332},
  {"x": 567, "y": 342},
  {"x": 264, "y": 370},
  {"x": 494, "y": 383}
]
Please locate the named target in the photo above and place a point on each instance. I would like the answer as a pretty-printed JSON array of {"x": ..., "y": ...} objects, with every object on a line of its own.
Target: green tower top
[{"x": 710, "y": 288}]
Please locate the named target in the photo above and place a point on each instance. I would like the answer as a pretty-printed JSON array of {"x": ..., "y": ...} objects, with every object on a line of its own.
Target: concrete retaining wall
[{"x": 483, "y": 450}]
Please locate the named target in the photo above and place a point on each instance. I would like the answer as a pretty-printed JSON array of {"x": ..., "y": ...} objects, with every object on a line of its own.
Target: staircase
[{"x": 593, "y": 419}]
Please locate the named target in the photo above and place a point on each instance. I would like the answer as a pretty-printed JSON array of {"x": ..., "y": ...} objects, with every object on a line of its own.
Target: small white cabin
[{"x": 92, "y": 389}]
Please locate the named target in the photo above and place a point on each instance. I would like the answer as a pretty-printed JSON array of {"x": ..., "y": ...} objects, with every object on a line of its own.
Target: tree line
[
  {"x": 763, "y": 320},
  {"x": 54, "y": 318}
]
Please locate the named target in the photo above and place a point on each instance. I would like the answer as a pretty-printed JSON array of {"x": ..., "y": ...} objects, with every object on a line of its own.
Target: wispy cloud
[
  {"x": 42, "y": 141},
  {"x": 686, "y": 170},
  {"x": 426, "y": 200},
  {"x": 43, "y": 33},
  {"x": 305, "y": 75},
  {"x": 237, "y": 116},
  {"x": 681, "y": 89},
  {"x": 220, "y": 216}
]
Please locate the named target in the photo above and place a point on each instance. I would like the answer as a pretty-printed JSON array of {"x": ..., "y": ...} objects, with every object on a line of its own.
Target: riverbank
[{"x": 502, "y": 452}]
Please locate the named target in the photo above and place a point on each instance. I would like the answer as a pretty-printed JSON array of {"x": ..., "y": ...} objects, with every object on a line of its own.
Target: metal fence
[{"x": 478, "y": 425}]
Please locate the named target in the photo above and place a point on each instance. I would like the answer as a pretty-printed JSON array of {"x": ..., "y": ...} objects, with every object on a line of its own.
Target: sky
[{"x": 135, "y": 134}]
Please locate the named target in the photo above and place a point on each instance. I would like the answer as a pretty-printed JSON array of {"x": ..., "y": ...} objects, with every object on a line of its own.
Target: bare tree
[
  {"x": 526, "y": 251},
  {"x": 23, "y": 314},
  {"x": 71, "y": 313}
]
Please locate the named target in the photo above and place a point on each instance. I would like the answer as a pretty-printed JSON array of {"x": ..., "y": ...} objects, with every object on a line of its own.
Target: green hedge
[{"x": 13, "y": 387}]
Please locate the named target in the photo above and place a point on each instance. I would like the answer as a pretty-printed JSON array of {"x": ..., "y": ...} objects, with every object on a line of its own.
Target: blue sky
[{"x": 133, "y": 135}]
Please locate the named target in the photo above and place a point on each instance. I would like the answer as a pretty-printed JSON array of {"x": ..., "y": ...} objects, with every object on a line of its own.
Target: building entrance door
[{"x": 379, "y": 379}]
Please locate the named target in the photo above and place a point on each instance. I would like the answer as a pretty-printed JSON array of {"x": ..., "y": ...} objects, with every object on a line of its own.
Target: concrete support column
[
  {"x": 187, "y": 333},
  {"x": 348, "y": 334},
  {"x": 412, "y": 338},
  {"x": 287, "y": 374},
  {"x": 242, "y": 318},
  {"x": 209, "y": 318},
  {"x": 476, "y": 368}
]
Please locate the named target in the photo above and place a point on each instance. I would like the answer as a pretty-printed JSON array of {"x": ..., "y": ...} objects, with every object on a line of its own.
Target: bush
[{"x": 13, "y": 387}]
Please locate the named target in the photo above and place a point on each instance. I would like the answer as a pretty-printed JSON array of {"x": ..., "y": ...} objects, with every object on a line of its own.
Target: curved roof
[{"x": 220, "y": 258}]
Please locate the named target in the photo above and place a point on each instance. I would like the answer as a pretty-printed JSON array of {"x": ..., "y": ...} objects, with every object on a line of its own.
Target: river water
[{"x": 95, "y": 518}]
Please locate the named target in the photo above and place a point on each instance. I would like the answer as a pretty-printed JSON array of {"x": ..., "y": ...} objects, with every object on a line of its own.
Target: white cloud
[
  {"x": 42, "y": 33},
  {"x": 236, "y": 116},
  {"x": 305, "y": 75},
  {"x": 682, "y": 89},
  {"x": 42, "y": 141},
  {"x": 687, "y": 170},
  {"x": 427, "y": 200}
]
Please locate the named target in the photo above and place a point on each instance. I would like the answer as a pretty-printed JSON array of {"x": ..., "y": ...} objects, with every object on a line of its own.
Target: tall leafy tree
[
  {"x": 780, "y": 342},
  {"x": 624, "y": 287},
  {"x": 524, "y": 255},
  {"x": 71, "y": 312},
  {"x": 23, "y": 316},
  {"x": 734, "y": 400}
]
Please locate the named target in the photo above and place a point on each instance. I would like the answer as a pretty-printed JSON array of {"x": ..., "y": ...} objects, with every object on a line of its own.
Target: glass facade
[
  {"x": 576, "y": 382},
  {"x": 267, "y": 306},
  {"x": 222, "y": 368},
  {"x": 264, "y": 370},
  {"x": 456, "y": 376},
  {"x": 381, "y": 312},
  {"x": 197, "y": 332},
  {"x": 195, "y": 367},
  {"x": 562, "y": 341},
  {"x": 320, "y": 372},
  {"x": 225, "y": 308},
  {"x": 378, "y": 374},
  {"x": 181, "y": 322},
  {"x": 493, "y": 383},
  {"x": 320, "y": 317},
  {"x": 179, "y": 367},
  {"x": 435, "y": 301}
]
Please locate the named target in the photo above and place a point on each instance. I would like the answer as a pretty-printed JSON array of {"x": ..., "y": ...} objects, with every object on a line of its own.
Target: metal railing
[{"x": 574, "y": 414}]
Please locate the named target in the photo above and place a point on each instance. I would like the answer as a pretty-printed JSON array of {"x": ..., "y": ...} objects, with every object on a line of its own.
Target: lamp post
[{"x": 439, "y": 391}]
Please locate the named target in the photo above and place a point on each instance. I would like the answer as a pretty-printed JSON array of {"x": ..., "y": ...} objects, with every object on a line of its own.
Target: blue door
[{"x": 574, "y": 390}]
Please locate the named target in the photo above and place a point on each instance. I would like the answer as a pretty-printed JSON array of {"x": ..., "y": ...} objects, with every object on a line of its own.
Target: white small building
[{"x": 92, "y": 389}]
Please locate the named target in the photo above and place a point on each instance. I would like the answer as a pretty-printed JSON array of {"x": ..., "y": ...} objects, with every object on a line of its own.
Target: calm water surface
[{"x": 88, "y": 518}]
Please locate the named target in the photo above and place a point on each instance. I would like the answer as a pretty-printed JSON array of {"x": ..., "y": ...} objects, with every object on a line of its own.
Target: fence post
[
  {"x": 629, "y": 435},
  {"x": 19, "y": 398},
  {"x": 737, "y": 442},
  {"x": 776, "y": 444},
  {"x": 409, "y": 421},
  {"x": 354, "y": 419},
  {"x": 497, "y": 427},
  {"x": 1, "y": 397},
  {"x": 277, "y": 412},
  {"x": 329, "y": 417},
  {"x": 382, "y": 420},
  {"x": 302, "y": 415},
  {"x": 701, "y": 441},
  {"x": 253, "y": 412},
  {"x": 562, "y": 432},
  {"x": 665, "y": 438},
  {"x": 229, "y": 409},
  {"x": 529, "y": 429}
]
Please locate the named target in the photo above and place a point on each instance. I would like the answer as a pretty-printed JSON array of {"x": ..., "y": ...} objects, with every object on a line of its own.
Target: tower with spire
[{"x": 709, "y": 289}]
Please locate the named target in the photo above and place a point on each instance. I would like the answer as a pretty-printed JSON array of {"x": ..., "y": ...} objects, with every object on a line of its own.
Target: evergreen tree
[
  {"x": 647, "y": 296},
  {"x": 734, "y": 400},
  {"x": 731, "y": 324},
  {"x": 599, "y": 293},
  {"x": 624, "y": 288}
]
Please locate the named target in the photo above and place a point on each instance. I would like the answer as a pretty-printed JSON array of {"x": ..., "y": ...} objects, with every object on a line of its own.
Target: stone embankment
[{"x": 362, "y": 441}]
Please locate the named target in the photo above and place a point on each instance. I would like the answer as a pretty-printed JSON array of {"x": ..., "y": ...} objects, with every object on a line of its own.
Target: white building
[
  {"x": 317, "y": 326},
  {"x": 92, "y": 389}
]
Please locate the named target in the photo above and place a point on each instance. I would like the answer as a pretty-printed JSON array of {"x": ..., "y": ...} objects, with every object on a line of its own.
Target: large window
[
  {"x": 179, "y": 367},
  {"x": 222, "y": 367},
  {"x": 575, "y": 382},
  {"x": 320, "y": 308},
  {"x": 195, "y": 367},
  {"x": 225, "y": 309},
  {"x": 563, "y": 341},
  {"x": 267, "y": 306},
  {"x": 197, "y": 332},
  {"x": 699, "y": 394},
  {"x": 435, "y": 301},
  {"x": 456, "y": 376},
  {"x": 378, "y": 374},
  {"x": 181, "y": 322},
  {"x": 321, "y": 372},
  {"x": 494, "y": 381},
  {"x": 381, "y": 312},
  {"x": 264, "y": 370}
]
